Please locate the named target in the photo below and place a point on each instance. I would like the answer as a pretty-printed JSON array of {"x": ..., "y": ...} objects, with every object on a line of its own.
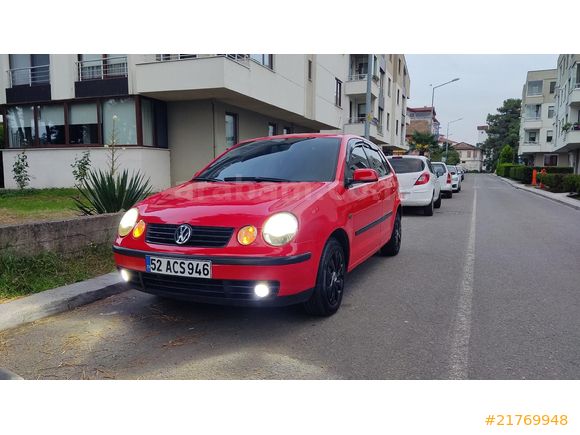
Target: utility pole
[
  {"x": 447, "y": 138},
  {"x": 368, "y": 99}
]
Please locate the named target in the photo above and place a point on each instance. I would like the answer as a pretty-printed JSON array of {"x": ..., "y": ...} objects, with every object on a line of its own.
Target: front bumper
[{"x": 290, "y": 278}]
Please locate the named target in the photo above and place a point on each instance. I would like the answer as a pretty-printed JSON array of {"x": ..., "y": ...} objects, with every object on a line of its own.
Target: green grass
[
  {"x": 36, "y": 204},
  {"x": 23, "y": 275}
]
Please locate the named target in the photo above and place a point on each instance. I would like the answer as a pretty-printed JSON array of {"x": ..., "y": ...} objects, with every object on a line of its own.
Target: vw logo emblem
[{"x": 182, "y": 234}]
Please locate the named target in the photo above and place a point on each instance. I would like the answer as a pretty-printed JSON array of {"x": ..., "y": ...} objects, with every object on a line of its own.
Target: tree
[
  {"x": 423, "y": 142},
  {"x": 506, "y": 155},
  {"x": 503, "y": 129}
]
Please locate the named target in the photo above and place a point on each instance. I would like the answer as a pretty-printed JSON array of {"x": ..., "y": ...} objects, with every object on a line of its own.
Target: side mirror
[{"x": 364, "y": 176}]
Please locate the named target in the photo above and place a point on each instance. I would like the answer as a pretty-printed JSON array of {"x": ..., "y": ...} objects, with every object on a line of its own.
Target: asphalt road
[{"x": 487, "y": 288}]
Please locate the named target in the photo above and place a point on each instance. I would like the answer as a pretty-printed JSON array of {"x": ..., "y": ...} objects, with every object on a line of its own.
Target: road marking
[{"x": 462, "y": 328}]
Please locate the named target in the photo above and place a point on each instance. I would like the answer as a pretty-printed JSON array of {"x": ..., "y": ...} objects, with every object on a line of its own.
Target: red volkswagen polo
[{"x": 272, "y": 221}]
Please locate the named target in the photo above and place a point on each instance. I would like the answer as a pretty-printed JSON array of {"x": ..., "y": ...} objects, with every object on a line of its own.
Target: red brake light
[
  {"x": 423, "y": 179},
  {"x": 449, "y": 178}
]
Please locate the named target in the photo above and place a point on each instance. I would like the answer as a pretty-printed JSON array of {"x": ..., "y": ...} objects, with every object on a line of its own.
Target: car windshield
[
  {"x": 277, "y": 160},
  {"x": 405, "y": 166},
  {"x": 439, "y": 167}
]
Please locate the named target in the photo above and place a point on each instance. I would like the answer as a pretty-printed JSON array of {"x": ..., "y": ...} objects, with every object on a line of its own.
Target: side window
[
  {"x": 385, "y": 164},
  {"x": 375, "y": 161},
  {"x": 356, "y": 160}
]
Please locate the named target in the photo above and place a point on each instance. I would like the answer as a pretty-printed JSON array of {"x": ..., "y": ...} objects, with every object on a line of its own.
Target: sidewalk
[{"x": 562, "y": 198}]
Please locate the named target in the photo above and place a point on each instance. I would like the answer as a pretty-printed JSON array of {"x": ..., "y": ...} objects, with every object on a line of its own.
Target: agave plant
[{"x": 103, "y": 192}]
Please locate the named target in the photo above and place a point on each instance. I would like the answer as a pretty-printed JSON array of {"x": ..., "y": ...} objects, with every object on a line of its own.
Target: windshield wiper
[
  {"x": 257, "y": 179},
  {"x": 205, "y": 179}
]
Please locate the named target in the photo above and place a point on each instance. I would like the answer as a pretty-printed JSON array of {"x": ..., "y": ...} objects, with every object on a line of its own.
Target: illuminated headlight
[
  {"x": 261, "y": 290},
  {"x": 280, "y": 228},
  {"x": 125, "y": 275},
  {"x": 128, "y": 221}
]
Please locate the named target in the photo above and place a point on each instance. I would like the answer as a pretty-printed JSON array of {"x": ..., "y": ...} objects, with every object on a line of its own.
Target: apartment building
[
  {"x": 470, "y": 156},
  {"x": 422, "y": 119},
  {"x": 170, "y": 114},
  {"x": 537, "y": 145},
  {"x": 567, "y": 109}
]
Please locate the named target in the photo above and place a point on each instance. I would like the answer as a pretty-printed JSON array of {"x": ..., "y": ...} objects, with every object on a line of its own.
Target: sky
[{"x": 485, "y": 82}]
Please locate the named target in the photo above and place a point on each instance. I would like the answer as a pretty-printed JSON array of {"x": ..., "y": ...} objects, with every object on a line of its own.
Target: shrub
[
  {"x": 571, "y": 183},
  {"x": 20, "y": 170},
  {"x": 108, "y": 193},
  {"x": 554, "y": 182},
  {"x": 81, "y": 167},
  {"x": 503, "y": 169}
]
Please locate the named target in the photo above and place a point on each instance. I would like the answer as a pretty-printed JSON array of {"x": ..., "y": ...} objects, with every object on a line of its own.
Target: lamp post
[
  {"x": 447, "y": 137},
  {"x": 433, "y": 98}
]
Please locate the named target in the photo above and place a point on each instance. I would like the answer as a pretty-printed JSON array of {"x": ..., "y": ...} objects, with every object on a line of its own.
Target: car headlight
[
  {"x": 128, "y": 221},
  {"x": 280, "y": 228}
]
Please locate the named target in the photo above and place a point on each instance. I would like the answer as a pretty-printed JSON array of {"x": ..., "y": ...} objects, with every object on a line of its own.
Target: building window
[
  {"x": 147, "y": 121},
  {"x": 20, "y": 126},
  {"x": 550, "y": 111},
  {"x": 287, "y": 130},
  {"x": 533, "y": 111},
  {"x": 101, "y": 66},
  {"x": 83, "y": 126},
  {"x": 361, "y": 111},
  {"x": 468, "y": 154},
  {"x": 552, "y": 87},
  {"x": 389, "y": 88},
  {"x": 549, "y": 135},
  {"x": 380, "y": 116},
  {"x": 550, "y": 159},
  {"x": 119, "y": 121},
  {"x": 29, "y": 69},
  {"x": 390, "y": 57},
  {"x": 399, "y": 66},
  {"x": 398, "y": 96},
  {"x": 388, "y": 121},
  {"x": 309, "y": 70},
  {"x": 532, "y": 136},
  {"x": 264, "y": 59},
  {"x": 397, "y": 128},
  {"x": 271, "y": 129},
  {"x": 51, "y": 125},
  {"x": 338, "y": 93},
  {"x": 231, "y": 129},
  {"x": 535, "y": 87}
]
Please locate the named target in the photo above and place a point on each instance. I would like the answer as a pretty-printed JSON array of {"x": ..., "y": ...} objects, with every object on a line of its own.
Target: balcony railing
[
  {"x": 99, "y": 69},
  {"x": 361, "y": 119},
  {"x": 29, "y": 76},
  {"x": 356, "y": 77}
]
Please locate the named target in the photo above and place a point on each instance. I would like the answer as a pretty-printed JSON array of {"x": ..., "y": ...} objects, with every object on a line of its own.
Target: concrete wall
[
  {"x": 68, "y": 235},
  {"x": 50, "y": 167}
]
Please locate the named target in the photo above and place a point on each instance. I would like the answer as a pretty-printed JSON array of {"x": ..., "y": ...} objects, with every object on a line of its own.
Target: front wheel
[
  {"x": 393, "y": 246},
  {"x": 327, "y": 295}
]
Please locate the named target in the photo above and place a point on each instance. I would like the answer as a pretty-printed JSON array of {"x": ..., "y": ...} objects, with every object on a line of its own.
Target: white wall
[{"x": 50, "y": 167}]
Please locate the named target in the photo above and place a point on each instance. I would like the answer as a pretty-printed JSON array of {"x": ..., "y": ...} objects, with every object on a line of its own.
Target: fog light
[
  {"x": 261, "y": 290},
  {"x": 247, "y": 235},
  {"x": 139, "y": 229},
  {"x": 125, "y": 275}
]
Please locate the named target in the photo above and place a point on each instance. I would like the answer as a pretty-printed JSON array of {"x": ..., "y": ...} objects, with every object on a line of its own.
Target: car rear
[
  {"x": 415, "y": 180},
  {"x": 455, "y": 178},
  {"x": 445, "y": 179}
]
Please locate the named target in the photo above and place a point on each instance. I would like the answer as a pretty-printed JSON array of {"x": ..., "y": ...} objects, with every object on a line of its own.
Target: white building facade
[{"x": 170, "y": 114}]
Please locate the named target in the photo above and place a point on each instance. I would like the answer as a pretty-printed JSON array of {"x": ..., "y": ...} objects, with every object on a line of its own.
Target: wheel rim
[
  {"x": 398, "y": 234},
  {"x": 334, "y": 276}
]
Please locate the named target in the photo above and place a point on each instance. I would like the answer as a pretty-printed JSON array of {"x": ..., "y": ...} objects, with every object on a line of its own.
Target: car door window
[
  {"x": 356, "y": 160},
  {"x": 385, "y": 163},
  {"x": 375, "y": 161}
]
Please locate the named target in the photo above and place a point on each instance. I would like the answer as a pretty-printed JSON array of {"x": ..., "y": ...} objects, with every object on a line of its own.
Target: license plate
[{"x": 179, "y": 267}]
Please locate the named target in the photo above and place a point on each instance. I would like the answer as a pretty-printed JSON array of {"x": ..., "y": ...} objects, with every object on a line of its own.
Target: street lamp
[
  {"x": 433, "y": 96},
  {"x": 447, "y": 137}
]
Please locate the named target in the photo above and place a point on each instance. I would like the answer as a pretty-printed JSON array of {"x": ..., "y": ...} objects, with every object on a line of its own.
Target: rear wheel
[
  {"x": 459, "y": 188},
  {"x": 327, "y": 295},
  {"x": 393, "y": 246},
  {"x": 438, "y": 202},
  {"x": 428, "y": 209},
  {"x": 450, "y": 194}
]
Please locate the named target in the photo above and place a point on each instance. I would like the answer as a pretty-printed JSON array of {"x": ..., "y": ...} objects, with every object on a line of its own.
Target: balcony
[
  {"x": 28, "y": 84},
  {"x": 530, "y": 148},
  {"x": 356, "y": 126},
  {"x": 357, "y": 85},
  {"x": 570, "y": 141},
  {"x": 574, "y": 98},
  {"x": 102, "y": 77}
]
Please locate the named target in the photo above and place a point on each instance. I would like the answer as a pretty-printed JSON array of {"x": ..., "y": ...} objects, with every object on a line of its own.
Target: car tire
[
  {"x": 437, "y": 203},
  {"x": 393, "y": 246},
  {"x": 428, "y": 209},
  {"x": 327, "y": 295},
  {"x": 459, "y": 189},
  {"x": 450, "y": 194}
]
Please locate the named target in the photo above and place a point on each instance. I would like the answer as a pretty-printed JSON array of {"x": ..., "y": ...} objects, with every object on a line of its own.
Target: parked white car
[
  {"x": 418, "y": 184},
  {"x": 444, "y": 177},
  {"x": 455, "y": 178}
]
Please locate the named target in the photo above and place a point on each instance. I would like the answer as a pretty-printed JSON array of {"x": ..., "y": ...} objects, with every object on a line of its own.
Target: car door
[
  {"x": 387, "y": 191},
  {"x": 362, "y": 199}
]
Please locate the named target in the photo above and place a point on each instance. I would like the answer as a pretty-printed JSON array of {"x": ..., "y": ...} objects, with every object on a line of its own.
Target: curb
[
  {"x": 58, "y": 300},
  {"x": 516, "y": 186}
]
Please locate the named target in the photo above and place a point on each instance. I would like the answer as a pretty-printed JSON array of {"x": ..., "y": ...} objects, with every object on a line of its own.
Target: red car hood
[{"x": 230, "y": 204}]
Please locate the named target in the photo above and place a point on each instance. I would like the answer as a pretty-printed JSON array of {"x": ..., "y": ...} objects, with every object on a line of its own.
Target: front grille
[
  {"x": 206, "y": 237},
  {"x": 213, "y": 288}
]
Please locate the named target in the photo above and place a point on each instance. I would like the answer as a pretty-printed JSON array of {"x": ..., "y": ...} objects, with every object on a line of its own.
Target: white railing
[
  {"x": 243, "y": 59},
  {"x": 356, "y": 77},
  {"x": 99, "y": 69},
  {"x": 29, "y": 76}
]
